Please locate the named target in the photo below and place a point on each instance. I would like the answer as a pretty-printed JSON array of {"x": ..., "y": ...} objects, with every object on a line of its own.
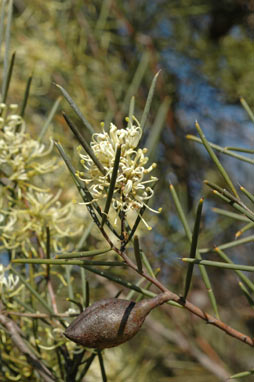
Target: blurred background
[{"x": 105, "y": 51}]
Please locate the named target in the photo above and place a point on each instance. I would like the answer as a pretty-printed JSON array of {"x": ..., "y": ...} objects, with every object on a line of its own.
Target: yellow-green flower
[
  {"x": 133, "y": 187},
  {"x": 23, "y": 225},
  {"x": 8, "y": 282},
  {"x": 20, "y": 155}
]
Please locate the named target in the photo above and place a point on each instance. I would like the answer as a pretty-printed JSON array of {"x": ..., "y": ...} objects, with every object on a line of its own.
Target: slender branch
[
  {"x": 40, "y": 315},
  {"x": 180, "y": 300}
]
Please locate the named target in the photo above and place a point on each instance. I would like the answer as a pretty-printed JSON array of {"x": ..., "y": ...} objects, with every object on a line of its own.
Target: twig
[
  {"x": 40, "y": 315},
  {"x": 176, "y": 336},
  {"x": 180, "y": 340},
  {"x": 180, "y": 300}
]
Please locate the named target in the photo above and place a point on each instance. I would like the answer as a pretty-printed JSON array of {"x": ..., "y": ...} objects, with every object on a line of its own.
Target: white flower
[
  {"x": 32, "y": 214},
  {"x": 20, "y": 155},
  {"x": 9, "y": 282},
  {"x": 132, "y": 191}
]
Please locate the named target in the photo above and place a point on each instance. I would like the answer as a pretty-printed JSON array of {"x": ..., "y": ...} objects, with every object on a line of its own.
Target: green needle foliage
[{"x": 73, "y": 219}]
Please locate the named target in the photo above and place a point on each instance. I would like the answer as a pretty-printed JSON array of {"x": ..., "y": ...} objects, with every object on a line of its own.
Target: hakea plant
[
  {"x": 131, "y": 190},
  {"x": 114, "y": 179}
]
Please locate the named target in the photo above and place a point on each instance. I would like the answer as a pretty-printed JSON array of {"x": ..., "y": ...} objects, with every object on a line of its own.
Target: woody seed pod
[{"x": 110, "y": 322}]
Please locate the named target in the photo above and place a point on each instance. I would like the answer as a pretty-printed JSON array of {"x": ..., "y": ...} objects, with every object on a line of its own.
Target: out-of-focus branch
[
  {"x": 15, "y": 333},
  {"x": 176, "y": 337}
]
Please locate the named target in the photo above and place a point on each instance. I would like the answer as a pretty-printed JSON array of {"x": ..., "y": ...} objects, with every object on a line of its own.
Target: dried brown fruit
[{"x": 108, "y": 323}]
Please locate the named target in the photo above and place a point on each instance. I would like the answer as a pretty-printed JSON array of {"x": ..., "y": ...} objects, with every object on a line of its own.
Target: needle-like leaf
[
  {"x": 224, "y": 150},
  {"x": 75, "y": 108},
  {"x": 7, "y": 70},
  {"x": 103, "y": 372},
  {"x": 74, "y": 254},
  {"x": 32, "y": 290},
  {"x": 189, "y": 237},
  {"x": 111, "y": 185},
  {"x": 68, "y": 262},
  {"x": 247, "y": 193},
  {"x": 8, "y": 78},
  {"x": 217, "y": 264},
  {"x": 137, "y": 254},
  {"x": 26, "y": 95},
  {"x": 84, "y": 144},
  {"x": 247, "y": 108},
  {"x": 193, "y": 249},
  {"x": 49, "y": 119},
  {"x": 215, "y": 159},
  {"x": 131, "y": 111},
  {"x": 149, "y": 101}
]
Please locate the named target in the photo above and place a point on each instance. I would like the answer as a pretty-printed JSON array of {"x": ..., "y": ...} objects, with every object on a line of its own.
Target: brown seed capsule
[{"x": 108, "y": 323}]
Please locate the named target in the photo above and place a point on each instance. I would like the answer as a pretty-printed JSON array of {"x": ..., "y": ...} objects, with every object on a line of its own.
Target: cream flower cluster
[
  {"x": 7, "y": 282},
  {"x": 20, "y": 156},
  {"x": 24, "y": 224},
  {"x": 26, "y": 206},
  {"x": 132, "y": 189}
]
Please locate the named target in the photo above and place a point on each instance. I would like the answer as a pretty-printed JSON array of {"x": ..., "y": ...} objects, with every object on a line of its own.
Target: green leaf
[
  {"x": 75, "y": 108},
  {"x": 32, "y": 290},
  {"x": 111, "y": 185},
  {"x": 26, "y": 95},
  {"x": 74, "y": 254},
  {"x": 247, "y": 193},
  {"x": 247, "y": 294},
  {"x": 247, "y": 108},
  {"x": 242, "y": 374},
  {"x": 104, "y": 13},
  {"x": 244, "y": 229},
  {"x": 231, "y": 199},
  {"x": 69, "y": 284},
  {"x": 2, "y": 23},
  {"x": 137, "y": 78},
  {"x": 49, "y": 119},
  {"x": 137, "y": 254},
  {"x": 84, "y": 286},
  {"x": 215, "y": 159},
  {"x": 145, "y": 261},
  {"x": 230, "y": 244},
  {"x": 103, "y": 372},
  {"x": 241, "y": 275},
  {"x": 230, "y": 214},
  {"x": 217, "y": 264},
  {"x": 135, "y": 226},
  {"x": 131, "y": 111},
  {"x": 149, "y": 101},
  {"x": 189, "y": 237},
  {"x": 224, "y": 150},
  {"x": 6, "y": 70},
  {"x": 84, "y": 144},
  {"x": 127, "y": 284},
  {"x": 7, "y": 80},
  {"x": 156, "y": 129},
  {"x": 193, "y": 249},
  {"x": 68, "y": 262}
]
